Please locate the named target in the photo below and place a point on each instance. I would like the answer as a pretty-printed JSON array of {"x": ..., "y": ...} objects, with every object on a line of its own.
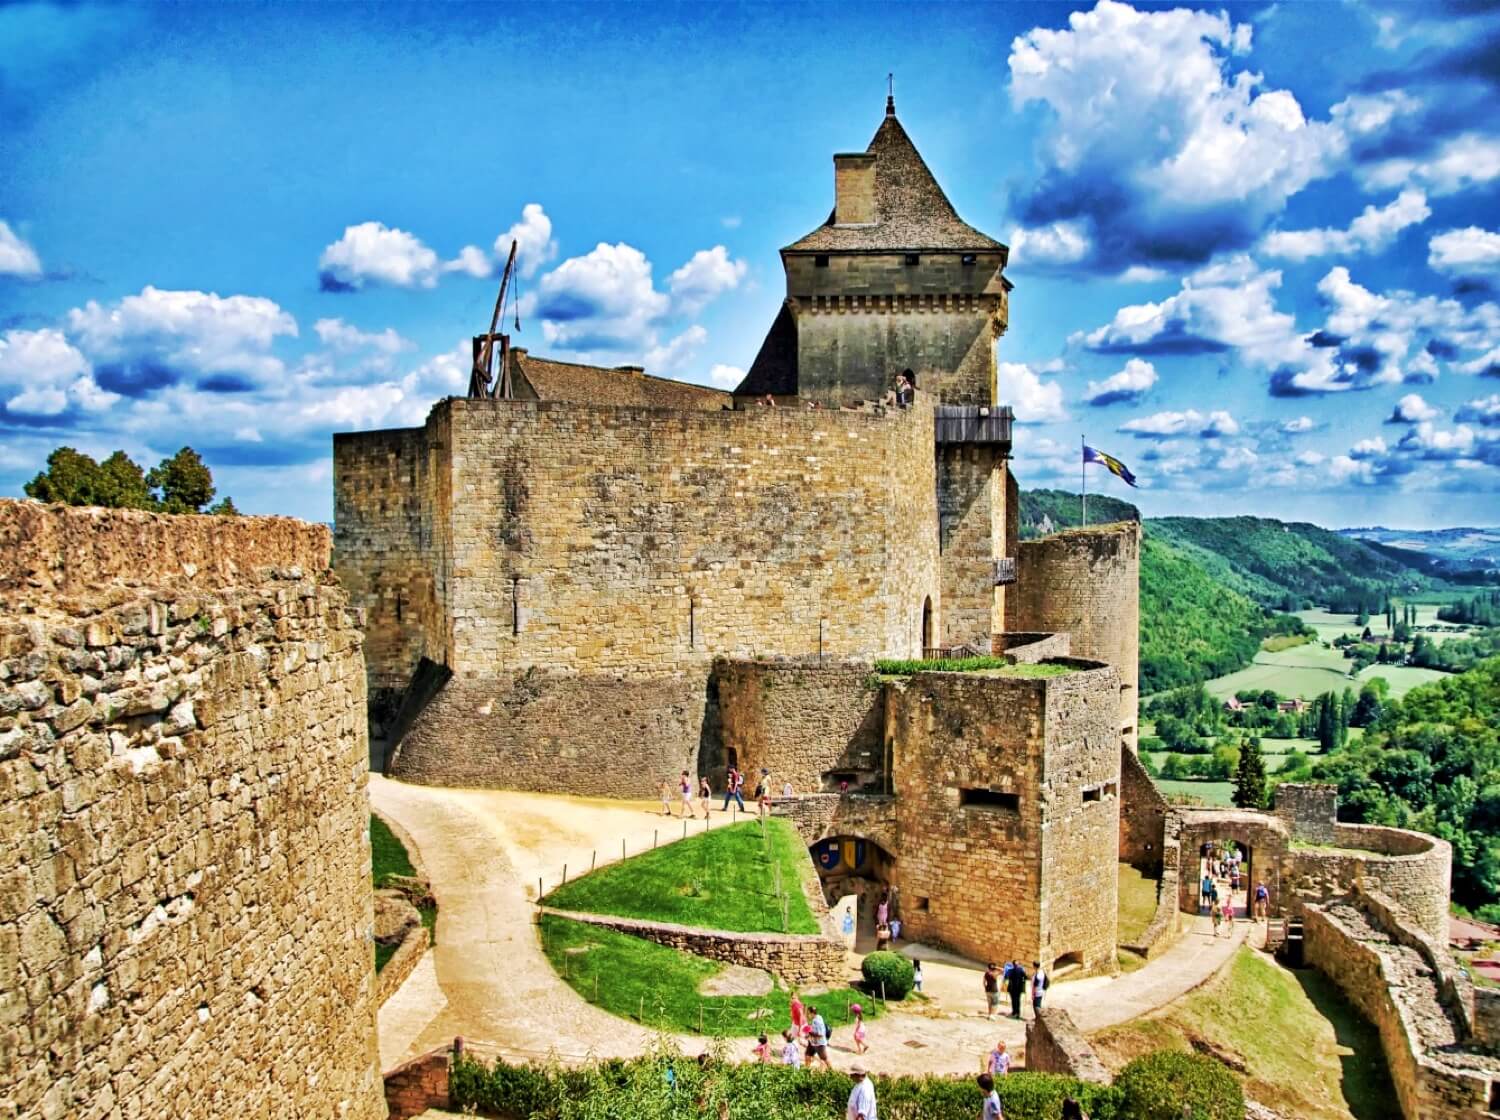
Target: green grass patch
[
  {"x": 383, "y": 954},
  {"x": 1285, "y": 641},
  {"x": 995, "y": 666},
  {"x": 387, "y": 854},
  {"x": 1137, "y": 903},
  {"x": 1309, "y": 1053},
  {"x": 1219, "y": 794},
  {"x": 724, "y": 878},
  {"x": 658, "y": 986}
]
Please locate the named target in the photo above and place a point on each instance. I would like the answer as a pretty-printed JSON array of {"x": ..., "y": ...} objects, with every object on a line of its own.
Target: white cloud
[
  {"x": 1465, "y": 252},
  {"x": 1371, "y": 232},
  {"x": 674, "y": 355},
  {"x": 372, "y": 252},
  {"x": 1237, "y": 459},
  {"x": 1161, "y": 425},
  {"x": 726, "y": 377},
  {"x": 707, "y": 275},
  {"x": 342, "y": 336},
  {"x": 1129, "y": 384},
  {"x": 1052, "y": 244},
  {"x": 1467, "y": 160},
  {"x": 1486, "y": 365},
  {"x": 1035, "y": 401},
  {"x": 603, "y": 300},
  {"x": 1484, "y": 410},
  {"x": 731, "y": 221},
  {"x": 17, "y": 258},
  {"x": 1412, "y": 409},
  {"x": 1368, "y": 448},
  {"x": 1308, "y": 458},
  {"x": 471, "y": 261},
  {"x": 1220, "y": 423},
  {"x": 1364, "y": 115},
  {"x": 1157, "y": 151},
  {"x": 1298, "y": 426},
  {"x": 42, "y": 374},
  {"x": 533, "y": 237}
]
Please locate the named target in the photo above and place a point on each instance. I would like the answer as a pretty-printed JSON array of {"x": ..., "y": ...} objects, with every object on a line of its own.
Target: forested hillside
[{"x": 1063, "y": 510}]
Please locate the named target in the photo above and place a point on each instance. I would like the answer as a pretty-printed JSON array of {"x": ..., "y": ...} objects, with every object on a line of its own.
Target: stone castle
[{"x": 614, "y": 577}]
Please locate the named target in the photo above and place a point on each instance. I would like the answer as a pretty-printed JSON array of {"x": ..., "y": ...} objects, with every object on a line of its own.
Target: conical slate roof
[{"x": 912, "y": 212}]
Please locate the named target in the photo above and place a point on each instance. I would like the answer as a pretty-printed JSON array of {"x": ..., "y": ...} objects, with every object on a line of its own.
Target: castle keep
[{"x": 569, "y": 589}]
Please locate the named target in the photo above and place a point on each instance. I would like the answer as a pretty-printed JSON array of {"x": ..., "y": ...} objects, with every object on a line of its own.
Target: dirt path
[{"x": 488, "y": 981}]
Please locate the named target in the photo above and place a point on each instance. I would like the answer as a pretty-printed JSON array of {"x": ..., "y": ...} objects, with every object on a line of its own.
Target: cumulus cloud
[
  {"x": 1035, "y": 401},
  {"x": 374, "y": 253},
  {"x": 17, "y": 258},
  {"x": 706, "y": 276},
  {"x": 1465, "y": 252},
  {"x": 1158, "y": 152},
  {"x": 726, "y": 377},
  {"x": 1412, "y": 409},
  {"x": 603, "y": 300},
  {"x": 1298, "y": 426},
  {"x": 471, "y": 261},
  {"x": 342, "y": 336},
  {"x": 1486, "y": 365},
  {"x": 673, "y": 356},
  {"x": 1130, "y": 384},
  {"x": 533, "y": 237},
  {"x": 1057, "y": 243},
  {"x": 1470, "y": 159},
  {"x": 1371, "y": 232},
  {"x": 157, "y": 338},
  {"x": 1484, "y": 410},
  {"x": 1163, "y": 425},
  {"x": 43, "y": 375}
]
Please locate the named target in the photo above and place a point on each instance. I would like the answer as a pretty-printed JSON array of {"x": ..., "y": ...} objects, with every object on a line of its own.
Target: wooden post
[
  {"x": 654, "y": 834},
  {"x": 684, "y": 828},
  {"x": 539, "y": 888},
  {"x": 594, "y": 855},
  {"x": 565, "y": 873},
  {"x": 622, "y": 848}
]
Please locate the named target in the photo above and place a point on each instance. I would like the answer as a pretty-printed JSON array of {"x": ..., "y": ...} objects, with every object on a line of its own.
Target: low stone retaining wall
[
  {"x": 800, "y": 959},
  {"x": 415, "y": 1086},
  {"x": 1166, "y": 923},
  {"x": 402, "y": 964},
  {"x": 1055, "y": 1045}
]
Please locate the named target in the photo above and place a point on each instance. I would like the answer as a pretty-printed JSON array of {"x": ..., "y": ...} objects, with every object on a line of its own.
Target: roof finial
[{"x": 890, "y": 95}]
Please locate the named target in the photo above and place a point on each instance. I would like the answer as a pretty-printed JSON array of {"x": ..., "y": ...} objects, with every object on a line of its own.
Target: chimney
[{"x": 854, "y": 189}]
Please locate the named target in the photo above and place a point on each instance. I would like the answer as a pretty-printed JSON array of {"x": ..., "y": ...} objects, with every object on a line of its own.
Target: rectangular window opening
[
  {"x": 913, "y": 259},
  {"x": 1093, "y": 793},
  {"x": 1494, "y": 1096},
  {"x": 922, "y": 904},
  {"x": 969, "y": 259},
  {"x": 820, "y": 261},
  {"x": 990, "y": 799}
]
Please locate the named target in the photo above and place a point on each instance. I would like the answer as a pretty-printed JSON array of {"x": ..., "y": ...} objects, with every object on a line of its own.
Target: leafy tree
[
  {"x": 183, "y": 483},
  {"x": 71, "y": 478},
  {"x": 1250, "y": 777},
  {"x": 122, "y": 484},
  {"x": 224, "y": 507}
]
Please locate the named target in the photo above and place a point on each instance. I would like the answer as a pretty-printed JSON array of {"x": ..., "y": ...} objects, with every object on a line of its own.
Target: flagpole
[{"x": 1083, "y": 477}]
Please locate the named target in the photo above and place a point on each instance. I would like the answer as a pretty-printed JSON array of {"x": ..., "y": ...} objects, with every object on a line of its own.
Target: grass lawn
[
  {"x": 1210, "y": 793},
  {"x": 658, "y": 987},
  {"x": 388, "y": 856},
  {"x": 1308, "y": 1053},
  {"x": 1137, "y": 903},
  {"x": 720, "y": 879}
]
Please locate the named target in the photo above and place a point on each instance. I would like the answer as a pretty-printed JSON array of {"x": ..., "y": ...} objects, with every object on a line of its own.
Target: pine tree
[{"x": 1250, "y": 777}]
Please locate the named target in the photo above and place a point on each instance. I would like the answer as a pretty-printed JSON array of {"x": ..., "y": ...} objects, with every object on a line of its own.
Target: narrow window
[
  {"x": 913, "y": 259},
  {"x": 820, "y": 261},
  {"x": 923, "y": 904},
  {"x": 515, "y": 605},
  {"x": 990, "y": 799},
  {"x": 692, "y": 624},
  {"x": 969, "y": 259},
  {"x": 1093, "y": 793}
]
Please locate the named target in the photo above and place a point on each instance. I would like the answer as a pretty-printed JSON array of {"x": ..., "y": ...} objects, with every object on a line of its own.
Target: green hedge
[
  {"x": 1156, "y": 1086},
  {"x": 888, "y": 975}
]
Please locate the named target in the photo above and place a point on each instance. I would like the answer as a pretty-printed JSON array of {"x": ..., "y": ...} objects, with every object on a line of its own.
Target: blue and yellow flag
[{"x": 1109, "y": 462}]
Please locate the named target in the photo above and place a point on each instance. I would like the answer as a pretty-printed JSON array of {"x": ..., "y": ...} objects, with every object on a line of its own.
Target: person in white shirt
[
  {"x": 991, "y": 1109},
  {"x": 1039, "y": 984},
  {"x": 861, "y": 1097}
]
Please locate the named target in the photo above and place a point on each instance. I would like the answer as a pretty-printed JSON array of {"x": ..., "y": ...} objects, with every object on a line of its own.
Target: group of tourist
[
  {"x": 1226, "y": 863},
  {"x": 690, "y": 793},
  {"x": 1014, "y": 980}
]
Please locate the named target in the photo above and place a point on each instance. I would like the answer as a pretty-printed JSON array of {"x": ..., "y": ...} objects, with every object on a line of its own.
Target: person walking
[
  {"x": 992, "y": 989},
  {"x": 1262, "y": 900},
  {"x": 733, "y": 781},
  {"x": 1015, "y": 985},
  {"x": 859, "y": 1028},
  {"x": 916, "y": 976},
  {"x": 1205, "y": 891},
  {"x": 762, "y": 1051},
  {"x": 706, "y": 792},
  {"x": 1218, "y": 917},
  {"x": 997, "y": 1061},
  {"x": 791, "y": 1049},
  {"x": 1040, "y": 982},
  {"x": 883, "y": 908},
  {"x": 685, "y": 789},
  {"x": 990, "y": 1110},
  {"x": 798, "y": 1014},
  {"x": 817, "y": 1040},
  {"x": 666, "y": 797},
  {"x": 861, "y": 1097}
]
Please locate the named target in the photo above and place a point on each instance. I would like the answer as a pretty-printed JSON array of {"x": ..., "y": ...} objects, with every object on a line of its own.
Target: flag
[{"x": 1109, "y": 462}]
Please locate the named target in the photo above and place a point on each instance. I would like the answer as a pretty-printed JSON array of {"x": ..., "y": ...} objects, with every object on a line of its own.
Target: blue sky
[{"x": 1256, "y": 249}]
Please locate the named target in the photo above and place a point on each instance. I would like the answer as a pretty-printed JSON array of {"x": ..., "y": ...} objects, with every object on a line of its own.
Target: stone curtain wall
[
  {"x": 186, "y": 904},
  {"x": 1055, "y": 1045},
  {"x": 1086, "y": 583},
  {"x": 1310, "y": 809},
  {"x": 971, "y": 512},
  {"x": 800, "y": 960},
  {"x": 1143, "y": 814},
  {"x": 801, "y": 721},
  {"x": 821, "y": 815},
  {"x": 1410, "y": 867},
  {"x": 1081, "y": 803}
]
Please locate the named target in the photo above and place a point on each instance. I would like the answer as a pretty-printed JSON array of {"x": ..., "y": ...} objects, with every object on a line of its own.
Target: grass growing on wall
[
  {"x": 658, "y": 986},
  {"x": 724, "y": 878},
  {"x": 999, "y": 666}
]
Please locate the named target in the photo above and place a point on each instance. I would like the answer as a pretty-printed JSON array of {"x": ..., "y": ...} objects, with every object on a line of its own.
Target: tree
[
  {"x": 122, "y": 484},
  {"x": 1367, "y": 707},
  {"x": 1250, "y": 777},
  {"x": 184, "y": 484},
  {"x": 71, "y": 478},
  {"x": 225, "y": 507}
]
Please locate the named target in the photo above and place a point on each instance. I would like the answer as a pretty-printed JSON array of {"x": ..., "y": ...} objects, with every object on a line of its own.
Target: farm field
[
  {"x": 1311, "y": 670},
  {"x": 1330, "y": 626},
  {"x": 1210, "y": 793}
]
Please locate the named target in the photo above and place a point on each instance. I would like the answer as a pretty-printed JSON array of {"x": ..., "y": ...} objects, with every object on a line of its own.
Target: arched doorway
[
  {"x": 926, "y": 625},
  {"x": 854, "y": 865}
]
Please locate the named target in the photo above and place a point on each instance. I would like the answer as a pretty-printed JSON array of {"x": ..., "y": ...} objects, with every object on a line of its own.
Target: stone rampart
[
  {"x": 1030, "y": 647},
  {"x": 1310, "y": 810},
  {"x": 1143, "y": 812},
  {"x": 802, "y": 960},
  {"x": 1055, "y": 1045},
  {"x": 186, "y": 913},
  {"x": 802, "y": 721},
  {"x": 1411, "y": 867}
]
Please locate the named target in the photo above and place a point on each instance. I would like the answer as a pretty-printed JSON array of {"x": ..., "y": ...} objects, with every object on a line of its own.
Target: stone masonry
[{"x": 185, "y": 901}]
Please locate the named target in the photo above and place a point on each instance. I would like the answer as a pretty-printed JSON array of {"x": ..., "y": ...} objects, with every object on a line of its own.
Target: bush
[
  {"x": 888, "y": 974},
  {"x": 1157, "y": 1086}
]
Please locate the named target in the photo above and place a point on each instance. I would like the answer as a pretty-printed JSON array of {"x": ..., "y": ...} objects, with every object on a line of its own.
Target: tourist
[
  {"x": 883, "y": 908},
  {"x": 763, "y": 802},
  {"x": 1015, "y": 984},
  {"x": 992, "y": 989},
  {"x": 859, "y": 1028},
  {"x": 1262, "y": 900},
  {"x": 1218, "y": 917},
  {"x": 791, "y": 1050},
  {"x": 817, "y": 1039},
  {"x": 1206, "y": 892},
  {"x": 762, "y": 1051},
  {"x": 904, "y": 390},
  {"x": 895, "y": 925},
  {"x": 916, "y": 976},
  {"x": 1040, "y": 982},
  {"x": 786, "y": 789},
  {"x": 1072, "y": 1110},
  {"x": 861, "y": 1097},
  {"x": 734, "y": 781},
  {"x": 685, "y": 788},
  {"x": 997, "y": 1061},
  {"x": 991, "y": 1109},
  {"x": 666, "y": 797},
  {"x": 798, "y": 1015},
  {"x": 706, "y": 792},
  {"x": 882, "y": 937}
]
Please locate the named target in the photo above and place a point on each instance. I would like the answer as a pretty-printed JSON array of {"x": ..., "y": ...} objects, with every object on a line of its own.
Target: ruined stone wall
[
  {"x": 1310, "y": 810},
  {"x": 186, "y": 910},
  {"x": 1143, "y": 814},
  {"x": 971, "y": 519},
  {"x": 1055, "y": 1045},
  {"x": 802, "y": 721},
  {"x": 1086, "y": 583},
  {"x": 1411, "y": 867},
  {"x": 1081, "y": 807}
]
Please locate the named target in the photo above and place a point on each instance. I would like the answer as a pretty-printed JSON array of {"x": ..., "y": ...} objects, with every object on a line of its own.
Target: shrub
[
  {"x": 889, "y": 975},
  {"x": 1157, "y": 1086}
]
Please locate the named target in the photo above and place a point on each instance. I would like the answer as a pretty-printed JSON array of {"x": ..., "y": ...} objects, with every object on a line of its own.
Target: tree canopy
[{"x": 181, "y": 483}]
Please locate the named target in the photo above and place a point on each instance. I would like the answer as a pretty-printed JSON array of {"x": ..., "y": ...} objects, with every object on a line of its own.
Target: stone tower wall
[
  {"x": 1086, "y": 582},
  {"x": 186, "y": 911},
  {"x": 971, "y": 519}
]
